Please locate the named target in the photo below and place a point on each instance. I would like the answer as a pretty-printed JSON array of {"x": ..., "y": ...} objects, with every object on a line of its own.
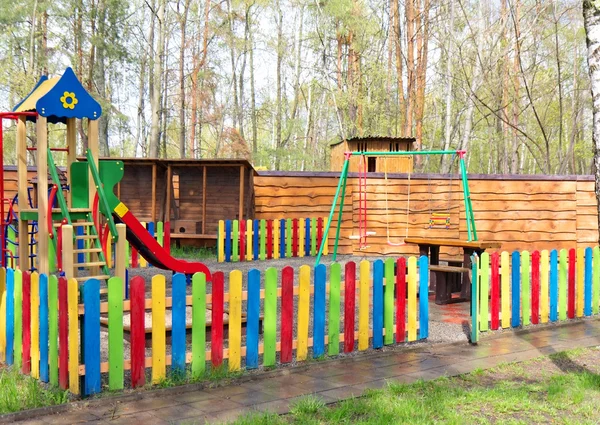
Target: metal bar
[
  {"x": 465, "y": 184},
  {"x": 337, "y": 194},
  {"x": 339, "y": 222},
  {"x": 407, "y": 153},
  {"x": 101, "y": 196}
]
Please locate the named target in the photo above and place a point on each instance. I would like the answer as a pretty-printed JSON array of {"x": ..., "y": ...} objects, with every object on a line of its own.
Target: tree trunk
[
  {"x": 422, "y": 53},
  {"x": 449, "y": 79},
  {"x": 156, "y": 93},
  {"x": 410, "y": 66},
  {"x": 231, "y": 37},
  {"x": 100, "y": 78},
  {"x": 182, "y": 25},
  {"x": 252, "y": 89},
  {"x": 279, "y": 110},
  {"x": 397, "y": 34},
  {"x": 514, "y": 169}
]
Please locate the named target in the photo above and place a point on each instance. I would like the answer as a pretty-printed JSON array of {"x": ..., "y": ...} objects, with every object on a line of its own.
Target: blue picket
[
  {"x": 253, "y": 318},
  {"x": 150, "y": 228},
  {"x": 307, "y": 237},
  {"x": 588, "y": 282},
  {"x": 553, "y": 285},
  {"x": 378, "y": 304},
  {"x": 10, "y": 316},
  {"x": 423, "y": 297},
  {"x": 319, "y": 311},
  {"x": 227, "y": 241},
  {"x": 91, "y": 343},
  {"x": 80, "y": 245},
  {"x": 282, "y": 238},
  {"x": 178, "y": 320},
  {"x": 44, "y": 328},
  {"x": 516, "y": 289},
  {"x": 255, "y": 239}
]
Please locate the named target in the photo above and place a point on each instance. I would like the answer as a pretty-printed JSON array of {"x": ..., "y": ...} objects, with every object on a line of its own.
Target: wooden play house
[{"x": 401, "y": 164}]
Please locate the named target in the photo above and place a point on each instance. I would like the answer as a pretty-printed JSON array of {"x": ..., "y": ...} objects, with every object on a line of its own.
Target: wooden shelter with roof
[{"x": 399, "y": 164}]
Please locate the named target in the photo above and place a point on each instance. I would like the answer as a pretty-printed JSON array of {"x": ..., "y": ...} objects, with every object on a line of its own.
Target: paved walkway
[{"x": 331, "y": 380}]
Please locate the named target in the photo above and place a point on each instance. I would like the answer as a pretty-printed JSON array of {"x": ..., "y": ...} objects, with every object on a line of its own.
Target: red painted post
[
  {"x": 287, "y": 313},
  {"x": 242, "y": 240},
  {"x": 295, "y": 237},
  {"x": 349, "y": 306},
  {"x": 63, "y": 334},
  {"x": 269, "y": 239},
  {"x": 26, "y": 323},
  {"x": 216, "y": 330},
  {"x": 134, "y": 258},
  {"x": 167, "y": 237},
  {"x": 137, "y": 294},
  {"x": 319, "y": 231},
  {"x": 495, "y": 291},
  {"x": 571, "y": 289},
  {"x": 535, "y": 287},
  {"x": 400, "y": 300}
]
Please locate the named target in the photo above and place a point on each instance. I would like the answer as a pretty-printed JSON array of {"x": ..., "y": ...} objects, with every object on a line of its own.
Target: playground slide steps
[
  {"x": 99, "y": 277},
  {"x": 86, "y": 250}
]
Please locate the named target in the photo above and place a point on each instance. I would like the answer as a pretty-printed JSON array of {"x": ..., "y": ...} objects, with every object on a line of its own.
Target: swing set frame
[{"x": 341, "y": 189}]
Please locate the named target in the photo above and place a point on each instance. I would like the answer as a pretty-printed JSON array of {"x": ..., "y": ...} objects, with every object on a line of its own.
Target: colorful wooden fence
[
  {"x": 253, "y": 240},
  {"x": 50, "y": 327},
  {"x": 522, "y": 288}
]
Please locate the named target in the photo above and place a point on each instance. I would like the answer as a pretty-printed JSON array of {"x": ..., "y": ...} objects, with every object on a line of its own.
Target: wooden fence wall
[{"x": 521, "y": 212}]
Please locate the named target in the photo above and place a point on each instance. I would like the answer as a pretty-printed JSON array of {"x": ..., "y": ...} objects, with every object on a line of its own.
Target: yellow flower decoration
[{"x": 69, "y": 100}]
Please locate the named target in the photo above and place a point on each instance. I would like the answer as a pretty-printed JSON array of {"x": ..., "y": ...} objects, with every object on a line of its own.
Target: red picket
[
  {"x": 216, "y": 331},
  {"x": 287, "y": 313},
  {"x": 269, "y": 239},
  {"x": 295, "y": 237},
  {"x": 242, "y": 240},
  {"x": 319, "y": 232},
  {"x": 535, "y": 287},
  {"x": 167, "y": 237},
  {"x": 26, "y": 323},
  {"x": 137, "y": 294},
  {"x": 571, "y": 297},
  {"x": 349, "y": 306},
  {"x": 63, "y": 334},
  {"x": 134, "y": 258},
  {"x": 400, "y": 300},
  {"x": 495, "y": 291}
]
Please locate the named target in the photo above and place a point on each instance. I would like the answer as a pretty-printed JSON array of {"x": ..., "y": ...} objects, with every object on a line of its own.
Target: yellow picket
[
  {"x": 363, "y": 305},
  {"x": 249, "y": 240},
  {"x": 412, "y": 299},
  {"x": 303, "y": 309},
  {"x": 580, "y": 277},
  {"x": 235, "y": 320},
  {"x": 221, "y": 242},
  {"x": 158, "y": 329}
]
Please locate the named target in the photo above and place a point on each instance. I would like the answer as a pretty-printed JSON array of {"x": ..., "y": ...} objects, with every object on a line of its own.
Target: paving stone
[
  {"x": 342, "y": 393},
  {"x": 215, "y": 405},
  {"x": 254, "y": 397},
  {"x": 181, "y": 411},
  {"x": 141, "y": 418},
  {"x": 229, "y": 415},
  {"x": 278, "y": 406},
  {"x": 75, "y": 417}
]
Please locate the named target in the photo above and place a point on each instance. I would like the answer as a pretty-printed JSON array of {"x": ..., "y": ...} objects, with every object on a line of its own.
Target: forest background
[{"x": 278, "y": 81}]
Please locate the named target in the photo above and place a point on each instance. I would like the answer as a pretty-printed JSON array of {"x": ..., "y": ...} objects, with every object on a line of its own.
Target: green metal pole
[
  {"x": 463, "y": 173},
  {"x": 337, "y": 194},
  {"x": 406, "y": 153},
  {"x": 339, "y": 222},
  {"x": 471, "y": 214}
]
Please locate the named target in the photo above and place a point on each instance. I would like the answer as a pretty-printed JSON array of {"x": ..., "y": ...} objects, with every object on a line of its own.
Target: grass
[
  {"x": 211, "y": 375},
  {"x": 563, "y": 388},
  {"x": 20, "y": 392},
  {"x": 190, "y": 252}
]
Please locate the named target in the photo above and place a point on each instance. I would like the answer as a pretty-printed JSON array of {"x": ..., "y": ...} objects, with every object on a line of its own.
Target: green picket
[
  {"x": 198, "y": 324},
  {"x": 288, "y": 238},
  {"x": 313, "y": 236},
  {"x": 562, "y": 285},
  {"x": 18, "y": 345},
  {"x": 115, "y": 333},
  {"x": 53, "y": 329},
  {"x": 270, "y": 320},
  {"x": 484, "y": 270},
  {"x": 160, "y": 233},
  {"x": 334, "y": 309},
  {"x": 236, "y": 240},
  {"x": 263, "y": 234},
  {"x": 525, "y": 288},
  {"x": 388, "y": 302},
  {"x": 595, "y": 279}
]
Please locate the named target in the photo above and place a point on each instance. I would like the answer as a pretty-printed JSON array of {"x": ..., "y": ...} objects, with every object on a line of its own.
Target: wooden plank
[
  {"x": 178, "y": 324},
  {"x": 158, "y": 329},
  {"x": 198, "y": 359},
  {"x": 216, "y": 331},
  {"x": 571, "y": 284},
  {"x": 526, "y": 287},
  {"x": 320, "y": 274},
  {"x": 115, "y": 333},
  {"x": 349, "y": 305},
  {"x": 204, "y": 199},
  {"x": 73, "y": 301},
  {"x": 545, "y": 286},
  {"x": 313, "y": 237},
  {"x": 269, "y": 239},
  {"x": 412, "y": 299},
  {"x": 91, "y": 340},
  {"x": 26, "y": 311},
  {"x": 270, "y": 321},
  {"x": 153, "y": 205},
  {"x": 276, "y": 237},
  {"x": 43, "y": 316},
  {"x": 235, "y": 321},
  {"x": 288, "y": 238},
  {"x": 484, "y": 273},
  {"x": 506, "y": 312},
  {"x": 495, "y": 291},
  {"x": 241, "y": 200},
  {"x": 227, "y": 241},
  {"x": 255, "y": 240},
  {"x": 535, "y": 287},
  {"x": 9, "y": 309},
  {"x": 235, "y": 256},
  {"x": 169, "y": 183},
  {"x": 43, "y": 263},
  {"x": 252, "y": 324},
  {"x": 249, "y": 238},
  {"x": 562, "y": 285},
  {"x": 63, "y": 336},
  {"x": 263, "y": 232},
  {"x": 137, "y": 293},
  {"x": 4, "y": 322},
  {"x": 295, "y": 237},
  {"x": 400, "y": 300},
  {"x": 303, "y": 312},
  {"x": 221, "y": 242},
  {"x": 287, "y": 313},
  {"x": 516, "y": 290},
  {"x": 334, "y": 308},
  {"x": 363, "y": 305},
  {"x": 242, "y": 240}
]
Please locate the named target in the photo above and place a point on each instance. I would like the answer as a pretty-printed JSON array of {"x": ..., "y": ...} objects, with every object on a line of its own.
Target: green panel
[
  {"x": 236, "y": 240},
  {"x": 562, "y": 285},
  {"x": 388, "y": 302},
  {"x": 313, "y": 237},
  {"x": 198, "y": 324},
  {"x": 525, "y": 288},
  {"x": 53, "y": 328},
  {"x": 12, "y": 235},
  {"x": 484, "y": 271},
  {"x": 115, "y": 333},
  {"x": 18, "y": 346},
  {"x": 334, "y": 309},
  {"x": 160, "y": 233},
  {"x": 111, "y": 172},
  {"x": 80, "y": 185},
  {"x": 288, "y": 238},
  {"x": 270, "y": 321},
  {"x": 263, "y": 233},
  {"x": 596, "y": 280}
]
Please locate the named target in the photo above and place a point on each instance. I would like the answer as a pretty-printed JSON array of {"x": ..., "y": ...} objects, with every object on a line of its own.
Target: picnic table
[{"x": 441, "y": 275}]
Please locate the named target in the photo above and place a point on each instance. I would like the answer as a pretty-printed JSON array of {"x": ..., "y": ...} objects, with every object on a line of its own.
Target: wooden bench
[{"x": 447, "y": 279}]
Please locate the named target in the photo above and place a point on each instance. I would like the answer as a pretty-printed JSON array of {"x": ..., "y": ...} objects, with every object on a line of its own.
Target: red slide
[{"x": 146, "y": 245}]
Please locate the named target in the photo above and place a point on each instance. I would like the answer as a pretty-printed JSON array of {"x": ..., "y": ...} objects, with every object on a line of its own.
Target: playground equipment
[
  {"x": 341, "y": 190},
  {"x": 87, "y": 199}
]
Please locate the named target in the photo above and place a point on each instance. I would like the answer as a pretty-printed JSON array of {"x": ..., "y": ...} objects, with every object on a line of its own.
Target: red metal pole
[{"x": 2, "y": 226}]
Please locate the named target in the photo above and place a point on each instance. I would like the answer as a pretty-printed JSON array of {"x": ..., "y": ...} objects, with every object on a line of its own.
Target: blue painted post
[
  {"x": 10, "y": 316},
  {"x": 553, "y": 285},
  {"x": 91, "y": 339},
  {"x": 253, "y": 319},
  {"x": 80, "y": 245},
  {"x": 516, "y": 290},
  {"x": 319, "y": 310},
  {"x": 307, "y": 237},
  {"x": 43, "y": 311},
  {"x": 424, "y": 297},
  {"x": 588, "y": 282},
  {"x": 150, "y": 228},
  {"x": 178, "y": 330},
  {"x": 378, "y": 304},
  {"x": 255, "y": 238},
  {"x": 227, "y": 241},
  {"x": 282, "y": 238}
]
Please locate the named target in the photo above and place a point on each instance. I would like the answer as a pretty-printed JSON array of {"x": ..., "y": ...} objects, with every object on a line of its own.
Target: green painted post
[
  {"x": 235, "y": 257},
  {"x": 334, "y": 309},
  {"x": 474, "y": 300},
  {"x": 525, "y": 288},
  {"x": 198, "y": 324},
  {"x": 270, "y": 321},
  {"x": 465, "y": 184},
  {"x": 263, "y": 235},
  {"x": 388, "y": 302},
  {"x": 484, "y": 270},
  {"x": 596, "y": 280},
  {"x": 288, "y": 238},
  {"x": 53, "y": 329},
  {"x": 115, "y": 333},
  {"x": 562, "y": 285},
  {"x": 160, "y": 234},
  {"x": 313, "y": 236}
]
